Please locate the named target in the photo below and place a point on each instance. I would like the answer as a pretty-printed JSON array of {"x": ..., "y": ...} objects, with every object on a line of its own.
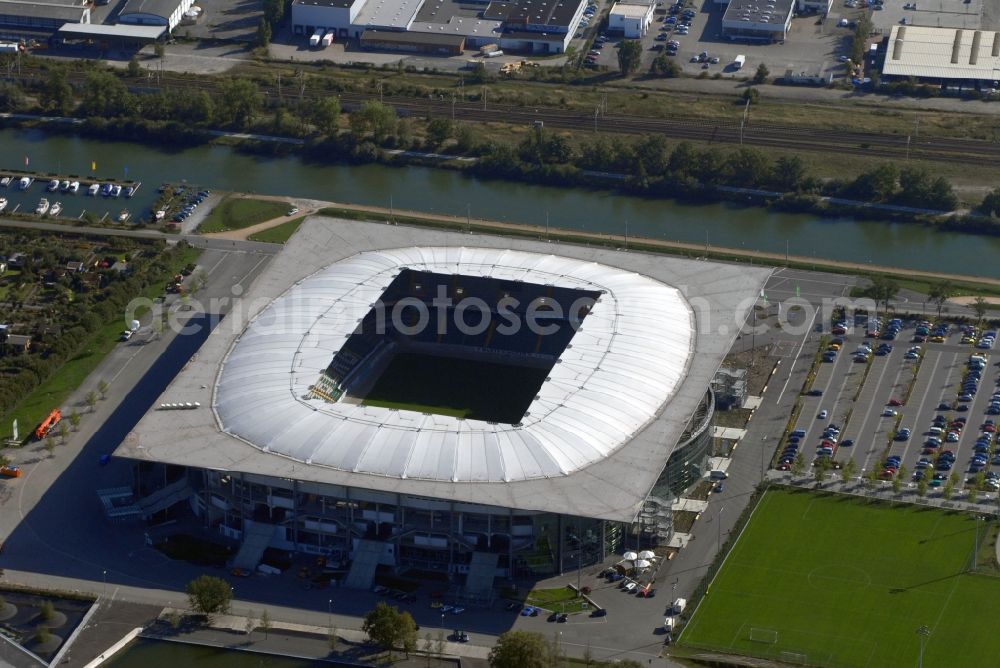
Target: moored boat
[
  {"x": 64, "y": 186},
  {"x": 53, "y": 185},
  {"x": 56, "y": 209},
  {"x": 74, "y": 187},
  {"x": 25, "y": 182},
  {"x": 3, "y": 203},
  {"x": 43, "y": 207},
  {"x": 106, "y": 189},
  {"x": 93, "y": 189},
  {"x": 123, "y": 216},
  {"x": 116, "y": 190},
  {"x": 5, "y": 181}
]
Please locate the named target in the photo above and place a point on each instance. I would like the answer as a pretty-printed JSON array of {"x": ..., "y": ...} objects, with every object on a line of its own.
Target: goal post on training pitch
[{"x": 761, "y": 635}]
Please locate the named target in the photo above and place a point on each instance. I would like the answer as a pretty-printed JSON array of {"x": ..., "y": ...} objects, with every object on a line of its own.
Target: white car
[
  {"x": 823, "y": 414},
  {"x": 292, "y": 211},
  {"x": 888, "y": 412}
]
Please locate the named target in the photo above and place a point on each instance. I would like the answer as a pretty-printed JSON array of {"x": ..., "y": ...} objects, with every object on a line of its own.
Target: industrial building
[
  {"x": 331, "y": 418},
  {"x": 528, "y": 26},
  {"x": 154, "y": 12},
  {"x": 947, "y": 56},
  {"x": 48, "y": 15},
  {"x": 757, "y": 20},
  {"x": 632, "y": 19}
]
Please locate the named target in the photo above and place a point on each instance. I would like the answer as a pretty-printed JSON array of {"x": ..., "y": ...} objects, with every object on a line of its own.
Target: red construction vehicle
[
  {"x": 48, "y": 424},
  {"x": 10, "y": 472}
]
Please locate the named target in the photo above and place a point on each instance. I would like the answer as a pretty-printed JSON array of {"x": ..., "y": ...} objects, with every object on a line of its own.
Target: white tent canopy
[
  {"x": 646, "y": 554},
  {"x": 630, "y": 556}
]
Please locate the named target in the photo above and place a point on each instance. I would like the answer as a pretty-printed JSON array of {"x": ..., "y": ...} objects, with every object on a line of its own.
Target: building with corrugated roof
[
  {"x": 943, "y": 55},
  {"x": 757, "y": 20}
]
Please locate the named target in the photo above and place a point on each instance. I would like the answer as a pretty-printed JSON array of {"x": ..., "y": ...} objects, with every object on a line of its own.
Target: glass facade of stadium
[{"x": 412, "y": 531}]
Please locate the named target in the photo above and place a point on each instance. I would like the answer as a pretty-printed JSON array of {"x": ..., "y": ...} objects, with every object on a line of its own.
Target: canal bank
[{"x": 867, "y": 244}]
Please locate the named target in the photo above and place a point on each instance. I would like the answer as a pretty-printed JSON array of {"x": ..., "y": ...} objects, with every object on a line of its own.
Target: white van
[
  {"x": 668, "y": 624},
  {"x": 679, "y": 605}
]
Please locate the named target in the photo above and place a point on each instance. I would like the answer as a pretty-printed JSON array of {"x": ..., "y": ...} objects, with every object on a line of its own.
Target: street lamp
[
  {"x": 104, "y": 574},
  {"x": 442, "y": 620},
  {"x": 718, "y": 520},
  {"x": 329, "y": 613},
  {"x": 923, "y": 632}
]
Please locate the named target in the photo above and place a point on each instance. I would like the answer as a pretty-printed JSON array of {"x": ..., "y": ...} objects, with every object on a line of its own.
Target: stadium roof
[
  {"x": 943, "y": 53},
  {"x": 593, "y": 444},
  {"x": 627, "y": 359}
]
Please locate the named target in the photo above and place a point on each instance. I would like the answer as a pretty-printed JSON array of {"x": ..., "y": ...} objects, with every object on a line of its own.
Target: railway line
[{"x": 707, "y": 130}]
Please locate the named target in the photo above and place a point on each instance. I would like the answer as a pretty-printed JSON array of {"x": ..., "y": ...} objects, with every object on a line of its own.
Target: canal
[
  {"x": 147, "y": 653},
  {"x": 449, "y": 192}
]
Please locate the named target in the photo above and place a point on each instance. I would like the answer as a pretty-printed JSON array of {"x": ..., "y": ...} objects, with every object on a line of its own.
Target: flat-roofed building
[
  {"x": 154, "y": 12},
  {"x": 757, "y": 20},
  {"x": 336, "y": 15},
  {"x": 632, "y": 19},
  {"x": 943, "y": 55},
  {"x": 50, "y": 15}
]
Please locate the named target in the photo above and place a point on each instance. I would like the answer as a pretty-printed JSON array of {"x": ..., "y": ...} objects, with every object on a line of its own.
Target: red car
[
  {"x": 989, "y": 428},
  {"x": 895, "y": 402}
]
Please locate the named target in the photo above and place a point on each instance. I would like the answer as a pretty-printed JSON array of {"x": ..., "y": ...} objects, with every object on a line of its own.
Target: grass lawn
[
  {"x": 560, "y": 599},
  {"x": 419, "y": 408},
  {"x": 279, "y": 234},
  {"x": 847, "y": 583},
  {"x": 54, "y": 391},
  {"x": 235, "y": 213}
]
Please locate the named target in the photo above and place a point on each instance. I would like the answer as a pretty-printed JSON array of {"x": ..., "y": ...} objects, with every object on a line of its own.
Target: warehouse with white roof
[
  {"x": 484, "y": 406},
  {"x": 943, "y": 55}
]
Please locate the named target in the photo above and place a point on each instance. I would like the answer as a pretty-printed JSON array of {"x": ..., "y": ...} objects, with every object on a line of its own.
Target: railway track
[{"x": 722, "y": 131}]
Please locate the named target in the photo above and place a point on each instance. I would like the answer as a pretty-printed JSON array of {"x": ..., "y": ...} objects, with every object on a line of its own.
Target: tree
[
  {"x": 798, "y": 464},
  {"x": 751, "y": 95},
  {"x": 748, "y": 167},
  {"x": 847, "y": 471},
  {"x": 948, "y": 490},
  {"x": 239, "y": 100},
  {"x": 46, "y": 611},
  {"x": 877, "y": 184},
  {"x": 972, "y": 495},
  {"x": 376, "y": 118},
  {"x": 50, "y": 444},
  {"x": 57, "y": 94},
  {"x": 788, "y": 172},
  {"x": 819, "y": 470},
  {"x": 63, "y": 432},
  {"x": 979, "y": 307},
  {"x": 263, "y": 33},
  {"x": 332, "y": 640},
  {"x": 761, "y": 75},
  {"x": 883, "y": 290},
  {"x": 102, "y": 387},
  {"x": 439, "y": 131},
  {"x": 11, "y": 97},
  {"x": 629, "y": 56},
  {"x": 326, "y": 115},
  {"x": 159, "y": 50},
  {"x": 922, "y": 487},
  {"x": 990, "y": 206},
  {"x": 897, "y": 480},
  {"x": 387, "y": 627},
  {"x": 104, "y": 94},
  {"x": 134, "y": 69},
  {"x": 209, "y": 595},
  {"x": 939, "y": 293},
  {"x": 520, "y": 649},
  {"x": 265, "y": 622},
  {"x": 74, "y": 420},
  {"x": 251, "y": 623},
  {"x": 665, "y": 67},
  {"x": 91, "y": 400}
]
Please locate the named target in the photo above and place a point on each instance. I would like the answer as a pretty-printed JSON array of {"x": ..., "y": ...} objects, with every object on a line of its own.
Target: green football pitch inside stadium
[
  {"x": 831, "y": 580},
  {"x": 460, "y": 388}
]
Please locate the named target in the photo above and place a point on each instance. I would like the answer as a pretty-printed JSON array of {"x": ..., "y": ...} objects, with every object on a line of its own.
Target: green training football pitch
[{"x": 833, "y": 580}]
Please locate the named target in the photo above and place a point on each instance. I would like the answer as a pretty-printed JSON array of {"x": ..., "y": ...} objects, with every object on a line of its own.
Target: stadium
[{"x": 477, "y": 406}]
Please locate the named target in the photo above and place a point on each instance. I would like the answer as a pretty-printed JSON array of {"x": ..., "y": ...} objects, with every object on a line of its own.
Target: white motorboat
[
  {"x": 92, "y": 190},
  {"x": 3, "y": 203},
  {"x": 74, "y": 187},
  {"x": 64, "y": 186},
  {"x": 43, "y": 207},
  {"x": 116, "y": 190},
  {"x": 25, "y": 182},
  {"x": 56, "y": 209},
  {"x": 106, "y": 189},
  {"x": 159, "y": 215},
  {"x": 123, "y": 216},
  {"x": 53, "y": 185},
  {"x": 5, "y": 181}
]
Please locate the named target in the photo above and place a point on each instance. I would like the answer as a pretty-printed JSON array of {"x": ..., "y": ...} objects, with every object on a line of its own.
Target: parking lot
[{"x": 920, "y": 386}]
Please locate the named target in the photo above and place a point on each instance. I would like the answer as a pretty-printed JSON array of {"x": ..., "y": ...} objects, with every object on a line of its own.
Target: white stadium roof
[
  {"x": 626, "y": 361},
  {"x": 593, "y": 444}
]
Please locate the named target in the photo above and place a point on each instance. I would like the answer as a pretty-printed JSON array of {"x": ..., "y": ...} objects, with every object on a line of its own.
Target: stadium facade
[{"x": 363, "y": 411}]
